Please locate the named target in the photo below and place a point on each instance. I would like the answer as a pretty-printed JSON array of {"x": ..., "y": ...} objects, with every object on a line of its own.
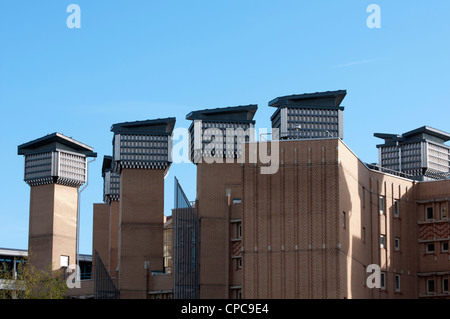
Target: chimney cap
[{"x": 54, "y": 142}]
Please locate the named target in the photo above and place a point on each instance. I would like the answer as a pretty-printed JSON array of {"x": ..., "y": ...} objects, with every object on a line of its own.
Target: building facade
[
  {"x": 317, "y": 226},
  {"x": 433, "y": 238}
]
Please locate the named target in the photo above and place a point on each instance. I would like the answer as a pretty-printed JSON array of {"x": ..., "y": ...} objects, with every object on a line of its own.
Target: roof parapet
[
  {"x": 53, "y": 142},
  {"x": 331, "y": 99},
  {"x": 231, "y": 113}
]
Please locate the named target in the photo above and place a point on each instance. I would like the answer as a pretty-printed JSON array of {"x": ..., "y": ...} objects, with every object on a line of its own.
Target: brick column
[
  {"x": 55, "y": 167},
  {"x": 141, "y": 157}
]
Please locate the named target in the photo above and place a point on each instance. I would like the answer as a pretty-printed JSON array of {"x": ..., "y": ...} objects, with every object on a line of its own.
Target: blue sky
[{"x": 138, "y": 60}]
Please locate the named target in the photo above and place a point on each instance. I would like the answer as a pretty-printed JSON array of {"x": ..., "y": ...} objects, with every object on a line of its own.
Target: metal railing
[
  {"x": 186, "y": 247},
  {"x": 104, "y": 287}
]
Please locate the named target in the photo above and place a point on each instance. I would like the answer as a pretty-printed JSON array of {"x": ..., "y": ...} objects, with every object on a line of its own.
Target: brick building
[{"x": 311, "y": 228}]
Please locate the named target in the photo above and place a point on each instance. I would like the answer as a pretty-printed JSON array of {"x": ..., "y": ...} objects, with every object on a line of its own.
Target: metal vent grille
[{"x": 55, "y": 167}]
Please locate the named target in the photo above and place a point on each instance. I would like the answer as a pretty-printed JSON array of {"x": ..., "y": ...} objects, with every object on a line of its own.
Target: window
[
  {"x": 7, "y": 262},
  {"x": 364, "y": 234},
  {"x": 383, "y": 281},
  {"x": 445, "y": 285},
  {"x": 430, "y": 248},
  {"x": 344, "y": 219},
  {"x": 381, "y": 202},
  {"x": 429, "y": 213},
  {"x": 236, "y": 229},
  {"x": 430, "y": 286},
  {"x": 382, "y": 241},
  {"x": 397, "y": 244},
  {"x": 397, "y": 283},
  {"x": 64, "y": 261},
  {"x": 364, "y": 197},
  {"x": 443, "y": 211},
  {"x": 396, "y": 209},
  {"x": 444, "y": 246}
]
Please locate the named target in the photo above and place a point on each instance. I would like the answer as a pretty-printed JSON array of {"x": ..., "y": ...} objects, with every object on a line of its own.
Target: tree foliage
[{"x": 31, "y": 282}]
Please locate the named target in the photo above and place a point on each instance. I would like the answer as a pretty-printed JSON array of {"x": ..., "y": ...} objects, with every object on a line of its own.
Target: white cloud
[{"x": 355, "y": 63}]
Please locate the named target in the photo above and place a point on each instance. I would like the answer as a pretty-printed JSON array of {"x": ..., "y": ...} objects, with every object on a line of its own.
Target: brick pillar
[
  {"x": 140, "y": 229},
  {"x": 55, "y": 168},
  {"x": 142, "y": 156}
]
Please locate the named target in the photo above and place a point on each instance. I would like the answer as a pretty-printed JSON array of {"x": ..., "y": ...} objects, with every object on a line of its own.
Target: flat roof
[
  {"x": 230, "y": 113},
  {"x": 428, "y": 130},
  {"x": 155, "y": 126},
  {"x": 52, "y": 142},
  {"x": 13, "y": 252},
  {"x": 24, "y": 253},
  {"x": 334, "y": 98},
  {"x": 390, "y": 138}
]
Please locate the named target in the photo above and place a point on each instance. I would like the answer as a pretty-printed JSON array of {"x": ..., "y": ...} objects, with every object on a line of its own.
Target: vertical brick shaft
[
  {"x": 114, "y": 210},
  {"x": 140, "y": 229},
  {"x": 218, "y": 270},
  {"x": 101, "y": 233},
  {"x": 53, "y": 224}
]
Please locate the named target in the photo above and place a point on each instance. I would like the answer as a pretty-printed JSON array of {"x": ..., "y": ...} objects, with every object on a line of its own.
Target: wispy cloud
[{"x": 356, "y": 63}]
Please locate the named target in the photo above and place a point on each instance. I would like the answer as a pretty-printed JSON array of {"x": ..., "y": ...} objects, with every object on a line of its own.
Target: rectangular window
[
  {"x": 364, "y": 234},
  {"x": 444, "y": 211},
  {"x": 429, "y": 248},
  {"x": 64, "y": 261},
  {"x": 382, "y": 241},
  {"x": 397, "y": 283},
  {"x": 430, "y": 286},
  {"x": 363, "y": 197},
  {"x": 444, "y": 247},
  {"x": 236, "y": 230},
  {"x": 396, "y": 209},
  {"x": 381, "y": 203},
  {"x": 445, "y": 285},
  {"x": 344, "y": 220},
  {"x": 429, "y": 213},
  {"x": 383, "y": 281},
  {"x": 397, "y": 244}
]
